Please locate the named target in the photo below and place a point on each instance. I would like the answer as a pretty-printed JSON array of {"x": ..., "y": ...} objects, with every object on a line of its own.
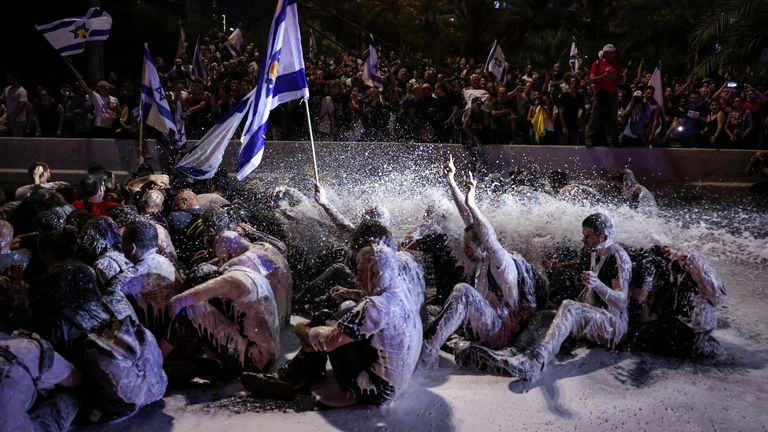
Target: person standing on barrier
[{"x": 605, "y": 75}]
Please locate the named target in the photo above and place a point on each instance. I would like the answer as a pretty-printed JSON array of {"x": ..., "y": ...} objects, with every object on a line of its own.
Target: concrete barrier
[{"x": 69, "y": 158}]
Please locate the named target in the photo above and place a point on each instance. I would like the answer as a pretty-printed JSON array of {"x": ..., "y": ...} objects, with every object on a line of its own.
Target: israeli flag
[
  {"x": 68, "y": 36},
  {"x": 282, "y": 79},
  {"x": 198, "y": 71},
  {"x": 496, "y": 64},
  {"x": 235, "y": 42},
  {"x": 154, "y": 105},
  {"x": 203, "y": 161},
  {"x": 371, "y": 69},
  {"x": 573, "y": 60}
]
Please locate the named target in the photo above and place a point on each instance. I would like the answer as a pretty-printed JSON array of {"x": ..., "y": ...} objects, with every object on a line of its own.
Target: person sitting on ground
[
  {"x": 31, "y": 368},
  {"x": 503, "y": 297},
  {"x": 98, "y": 332},
  {"x": 244, "y": 333},
  {"x": 672, "y": 305},
  {"x": 151, "y": 206},
  {"x": 126, "y": 214},
  {"x": 10, "y": 257},
  {"x": 373, "y": 348},
  {"x": 599, "y": 316},
  {"x": 100, "y": 246},
  {"x": 93, "y": 197},
  {"x": 41, "y": 178},
  {"x": 561, "y": 185},
  {"x": 230, "y": 247},
  {"x": 186, "y": 211},
  {"x": 152, "y": 282}
]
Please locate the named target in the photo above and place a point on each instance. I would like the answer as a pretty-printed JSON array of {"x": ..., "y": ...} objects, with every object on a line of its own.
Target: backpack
[{"x": 123, "y": 360}]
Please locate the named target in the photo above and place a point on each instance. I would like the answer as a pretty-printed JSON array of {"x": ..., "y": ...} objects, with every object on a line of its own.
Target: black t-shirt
[
  {"x": 441, "y": 267},
  {"x": 570, "y": 106}
]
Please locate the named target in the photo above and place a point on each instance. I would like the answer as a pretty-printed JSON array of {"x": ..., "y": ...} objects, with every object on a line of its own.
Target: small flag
[
  {"x": 496, "y": 64},
  {"x": 154, "y": 105},
  {"x": 203, "y": 161},
  {"x": 235, "y": 42},
  {"x": 282, "y": 79},
  {"x": 371, "y": 69},
  {"x": 198, "y": 71},
  {"x": 182, "y": 48},
  {"x": 68, "y": 36},
  {"x": 573, "y": 59},
  {"x": 655, "y": 81},
  {"x": 181, "y": 127}
]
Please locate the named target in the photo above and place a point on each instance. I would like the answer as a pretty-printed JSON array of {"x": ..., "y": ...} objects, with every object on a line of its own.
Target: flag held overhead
[
  {"x": 69, "y": 35},
  {"x": 154, "y": 105},
  {"x": 496, "y": 64}
]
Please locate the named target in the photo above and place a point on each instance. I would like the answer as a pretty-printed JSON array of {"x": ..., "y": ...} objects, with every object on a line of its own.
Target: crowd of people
[
  {"x": 110, "y": 293},
  {"x": 604, "y": 103}
]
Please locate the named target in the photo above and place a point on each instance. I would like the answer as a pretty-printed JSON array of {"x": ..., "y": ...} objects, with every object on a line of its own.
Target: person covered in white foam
[
  {"x": 503, "y": 296},
  {"x": 636, "y": 195}
]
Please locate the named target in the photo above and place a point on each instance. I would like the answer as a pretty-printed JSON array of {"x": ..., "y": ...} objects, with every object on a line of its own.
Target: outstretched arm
[
  {"x": 342, "y": 224},
  {"x": 449, "y": 170},
  {"x": 484, "y": 229}
]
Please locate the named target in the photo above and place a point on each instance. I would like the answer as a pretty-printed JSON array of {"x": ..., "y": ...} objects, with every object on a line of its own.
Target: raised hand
[
  {"x": 471, "y": 187},
  {"x": 320, "y": 195},
  {"x": 449, "y": 169}
]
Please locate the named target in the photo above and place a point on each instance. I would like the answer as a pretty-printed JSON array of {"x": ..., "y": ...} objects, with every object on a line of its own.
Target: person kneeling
[{"x": 373, "y": 349}]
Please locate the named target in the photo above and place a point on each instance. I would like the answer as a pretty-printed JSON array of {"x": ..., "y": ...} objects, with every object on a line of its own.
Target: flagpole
[
  {"x": 141, "y": 114},
  {"x": 311, "y": 140}
]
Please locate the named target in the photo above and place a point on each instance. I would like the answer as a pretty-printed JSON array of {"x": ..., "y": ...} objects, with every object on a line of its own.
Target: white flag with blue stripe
[
  {"x": 282, "y": 79},
  {"x": 68, "y": 36},
  {"x": 155, "y": 111},
  {"x": 496, "y": 63},
  {"x": 198, "y": 71},
  {"x": 371, "y": 69},
  {"x": 235, "y": 42},
  {"x": 203, "y": 161},
  {"x": 573, "y": 59}
]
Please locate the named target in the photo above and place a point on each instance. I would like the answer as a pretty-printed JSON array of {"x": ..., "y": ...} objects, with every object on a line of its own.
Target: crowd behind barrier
[{"x": 455, "y": 102}]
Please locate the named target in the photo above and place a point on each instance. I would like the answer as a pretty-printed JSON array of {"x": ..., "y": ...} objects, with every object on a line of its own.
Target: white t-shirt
[
  {"x": 106, "y": 109},
  {"x": 12, "y": 96}
]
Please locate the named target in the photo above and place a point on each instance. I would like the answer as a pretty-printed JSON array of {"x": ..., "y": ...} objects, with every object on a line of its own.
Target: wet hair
[
  {"x": 90, "y": 186},
  {"x": 141, "y": 234},
  {"x": 370, "y": 232},
  {"x": 69, "y": 284},
  {"x": 49, "y": 220},
  {"x": 600, "y": 224},
  {"x": 202, "y": 273},
  {"x": 99, "y": 236},
  {"x": 474, "y": 237},
  {"x": 387, "y": 263},
  {"x": 31, "y": 169},
  {"x": 78, "y": 219},
  {"x": 377, "y": 213},
  {"x": 215, "y": 219},
  {"x": 13, "y": 306},
  {"x": 125, "y": 214},
  {"x": 151, "y": 198},
  {"x": 559, "y": 177}
]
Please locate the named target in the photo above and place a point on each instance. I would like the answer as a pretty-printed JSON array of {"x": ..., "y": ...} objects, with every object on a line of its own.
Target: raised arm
[
  {"x": 219, "y": 287},
  {"x": 342, "y": 224},
  {"x": 484, "y": 229},
  {"x": 449, "y": 170}
]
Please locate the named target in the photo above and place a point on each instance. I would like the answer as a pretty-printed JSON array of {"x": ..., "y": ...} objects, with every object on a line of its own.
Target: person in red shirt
[
  {"x": 605, "y": 76},
  {"x": 93, "y": 197}
]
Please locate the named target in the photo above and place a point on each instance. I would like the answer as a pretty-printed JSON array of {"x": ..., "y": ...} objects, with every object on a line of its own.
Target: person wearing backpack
[
  {"x": 30, "y": 370},
  {"x": 100, "y": 334}
]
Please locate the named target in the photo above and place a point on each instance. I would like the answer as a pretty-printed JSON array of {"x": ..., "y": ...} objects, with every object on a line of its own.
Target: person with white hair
[
  {"x": 600, "y": 315},
  {"x": 605, "y": 74},
  {"x": 373, "y": 348}
]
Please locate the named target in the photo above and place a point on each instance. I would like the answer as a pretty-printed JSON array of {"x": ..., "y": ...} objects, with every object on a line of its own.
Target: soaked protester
[
  {"x": 672, "y": 308},
  {"x": 636, "y": 195},
  {"x": 10, "y": 257},
  {"x": 231, "y": 248},
  {"x": 503, "y": 297},
  {"x": 373, "y": 349},
  {"x": 235, "y": 316},
  {"x": 32, "y": 374},
  {"x": 100, "y": 246},
  {"x": 599, "y": 316},
  {"x": 99, "y": 333},
  {"x": 152, "y": 281}
]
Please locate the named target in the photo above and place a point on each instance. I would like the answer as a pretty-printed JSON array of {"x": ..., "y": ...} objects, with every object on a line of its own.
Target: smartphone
[{"x": 731, "y": 84}]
